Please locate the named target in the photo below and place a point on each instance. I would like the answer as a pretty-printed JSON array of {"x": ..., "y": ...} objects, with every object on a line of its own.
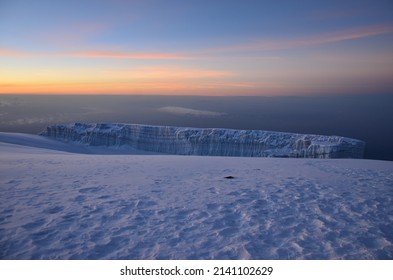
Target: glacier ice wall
[{"x": 208, "y": 141}]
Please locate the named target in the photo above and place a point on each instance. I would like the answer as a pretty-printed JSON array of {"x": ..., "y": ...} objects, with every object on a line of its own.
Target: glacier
[{"x": 207, "y": 141}]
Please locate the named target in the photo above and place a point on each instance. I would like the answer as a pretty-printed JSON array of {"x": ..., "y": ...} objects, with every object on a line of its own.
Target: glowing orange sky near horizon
[
  {"x": 155, "y": 53},
  {"x": 343, "y": 72}
]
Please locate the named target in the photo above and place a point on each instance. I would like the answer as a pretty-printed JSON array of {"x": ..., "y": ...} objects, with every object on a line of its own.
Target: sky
[{"x": 186, "y": 47}]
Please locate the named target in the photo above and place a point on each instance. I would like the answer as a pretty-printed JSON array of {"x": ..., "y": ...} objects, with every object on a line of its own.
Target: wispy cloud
[
  {"x": 4, "y": 104},
  {"x": 152, "y": 87},
  {"x": 6, "y": 52},
  {"x": 346, "y": 35},
  {"x": 257, "y": 45},
  {"x": 184, "y": 55},
  {"x": 177, "y": 73},
  {"x": 69, "y": 35},
  {"x": 31, "y": 120},
  {"x": 130, "y": 55},
  {"x": 189, "y": 112},
  {"x": 335, "y": 14},
  {"x": 219, "y": 52},
  {"x": 328, "y": 38}
]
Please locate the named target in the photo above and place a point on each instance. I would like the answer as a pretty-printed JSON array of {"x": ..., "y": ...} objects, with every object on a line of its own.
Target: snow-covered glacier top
[{"x": 208, "y": 141}]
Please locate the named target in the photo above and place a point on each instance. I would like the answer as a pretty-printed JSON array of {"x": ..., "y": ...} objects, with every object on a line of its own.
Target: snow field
[{"x": 58, "y": 205}]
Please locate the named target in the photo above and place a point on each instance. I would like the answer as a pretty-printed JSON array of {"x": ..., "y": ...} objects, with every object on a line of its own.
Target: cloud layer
[{"x": 188, "y": 111}]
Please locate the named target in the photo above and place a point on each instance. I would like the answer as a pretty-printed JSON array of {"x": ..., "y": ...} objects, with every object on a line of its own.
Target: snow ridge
[{"x": 207, "y": 141}]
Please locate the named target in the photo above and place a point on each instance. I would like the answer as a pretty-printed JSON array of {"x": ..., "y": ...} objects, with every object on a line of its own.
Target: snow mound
[{"x": 208, "y": 141}]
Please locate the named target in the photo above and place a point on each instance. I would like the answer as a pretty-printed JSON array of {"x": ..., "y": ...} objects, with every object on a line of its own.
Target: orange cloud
[
  {"x": 143, "y": 80},
  {"x": 13, "y": 53},
  {"x": 119, "y": 55},
  {"x": 102, "y": 88},
  {"x": 259, "y": 45},
  {"x": 110, "y": 55},
  {"x": 171, "y": 72},
  {"x": 147, "y": 87}
]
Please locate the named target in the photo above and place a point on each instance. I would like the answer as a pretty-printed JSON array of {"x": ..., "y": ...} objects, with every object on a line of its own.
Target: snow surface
[
  {"x": 60, "y": 205},
  {"x": 74, "y": 147},
  {"x": 207, "y": 141}
]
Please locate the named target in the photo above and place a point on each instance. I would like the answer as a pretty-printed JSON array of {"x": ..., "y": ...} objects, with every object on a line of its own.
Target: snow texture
[
  {"x": 60, "y": 205},
  {"x": 208, "y": 141}
]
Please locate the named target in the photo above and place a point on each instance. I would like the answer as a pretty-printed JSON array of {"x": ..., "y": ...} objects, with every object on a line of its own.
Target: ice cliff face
[{"x": 208, "y": 141}]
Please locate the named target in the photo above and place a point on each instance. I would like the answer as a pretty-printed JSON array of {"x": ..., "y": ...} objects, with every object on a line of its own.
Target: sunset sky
[{"x": 188, "y": 47}]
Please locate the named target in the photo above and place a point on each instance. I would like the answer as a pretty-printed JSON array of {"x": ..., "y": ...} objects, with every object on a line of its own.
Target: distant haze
[{"x": 366, "y": 117}]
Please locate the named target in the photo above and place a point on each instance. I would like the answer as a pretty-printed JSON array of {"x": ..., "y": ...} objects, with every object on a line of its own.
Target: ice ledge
[{"x": 208, "y": 141}]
